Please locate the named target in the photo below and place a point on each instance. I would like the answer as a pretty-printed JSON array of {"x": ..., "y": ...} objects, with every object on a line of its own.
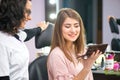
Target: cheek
[
  {"x": 78, "y": 30},
  {"x": 26, "y": 16},
  {"x": 64, "y": 31},
  {"x": 22, "y": 24}
]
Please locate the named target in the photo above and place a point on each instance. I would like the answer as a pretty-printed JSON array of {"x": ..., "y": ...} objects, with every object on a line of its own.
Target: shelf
[
  {"x": 106, "y": 72},
  {"x": 105, "y": 75}
]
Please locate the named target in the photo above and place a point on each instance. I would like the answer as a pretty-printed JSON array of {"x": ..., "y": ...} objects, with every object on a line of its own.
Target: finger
[
  {"x": 93, "y": 54},
  {"x": 96, "y": 54},
  {"x": 99, "y": 52},
  {"x": 47, "y": 23},
  {"x": 44, "y": 22}
]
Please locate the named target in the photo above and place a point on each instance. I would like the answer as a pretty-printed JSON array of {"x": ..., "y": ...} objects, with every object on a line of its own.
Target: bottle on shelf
[{"x": 109, "y": 63}]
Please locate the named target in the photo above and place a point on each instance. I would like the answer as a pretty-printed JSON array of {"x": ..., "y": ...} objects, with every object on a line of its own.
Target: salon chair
[
  {"x": 44, "y": 39},
  {"x": 38, "y": 69},
  {"x": 115, "y": 43}
]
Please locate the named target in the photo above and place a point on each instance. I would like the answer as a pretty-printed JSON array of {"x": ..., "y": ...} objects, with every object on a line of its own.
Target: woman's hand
[
  {"x": 43, "y": 25},
  {"x": 111, "y": 17},
  {"x": 88, "y": 63}
]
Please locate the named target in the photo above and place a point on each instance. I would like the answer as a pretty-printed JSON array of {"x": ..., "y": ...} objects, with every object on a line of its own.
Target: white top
[
  {"x": 14, "y": 58},
  {"x": 22, "y": 35}
]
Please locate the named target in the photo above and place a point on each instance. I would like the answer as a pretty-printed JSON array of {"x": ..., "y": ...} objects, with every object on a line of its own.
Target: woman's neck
[{"x": 70, "y": 48}]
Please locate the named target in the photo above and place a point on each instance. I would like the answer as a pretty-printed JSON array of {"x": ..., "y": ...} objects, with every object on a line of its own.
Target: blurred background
[{"x": 93, "y": 12}]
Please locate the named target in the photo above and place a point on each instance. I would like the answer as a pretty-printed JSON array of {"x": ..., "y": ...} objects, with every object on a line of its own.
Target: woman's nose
[
  {"x": 29, "y": 17},
  {"x": 73, "y": 29}
]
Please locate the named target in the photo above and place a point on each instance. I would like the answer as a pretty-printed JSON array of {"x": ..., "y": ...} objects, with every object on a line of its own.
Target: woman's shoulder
[
  {"x": 57, "y": 55},
  {"x": 57, "y": 49},
  {"x": 4, "y": 38},
  {"x": 56, "y": 52}
]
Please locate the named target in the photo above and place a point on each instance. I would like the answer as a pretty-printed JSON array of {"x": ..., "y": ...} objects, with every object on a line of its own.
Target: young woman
[{"x": 68, "y": 45}]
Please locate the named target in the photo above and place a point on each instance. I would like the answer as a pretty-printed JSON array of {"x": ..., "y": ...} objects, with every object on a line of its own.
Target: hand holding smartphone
[{"x": 94, "y": 48}]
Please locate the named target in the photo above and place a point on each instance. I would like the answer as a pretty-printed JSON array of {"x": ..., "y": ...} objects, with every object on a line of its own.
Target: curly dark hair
[{"x": 11, "y": 14}]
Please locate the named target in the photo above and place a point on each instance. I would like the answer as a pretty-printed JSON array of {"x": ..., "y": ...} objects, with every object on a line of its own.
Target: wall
[
  {"x": 38, "y": 14},
  {"x": 110, "y": 7}
]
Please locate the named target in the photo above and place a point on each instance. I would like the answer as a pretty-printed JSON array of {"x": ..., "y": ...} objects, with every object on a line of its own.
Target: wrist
[{"x": 87, "y": 69}]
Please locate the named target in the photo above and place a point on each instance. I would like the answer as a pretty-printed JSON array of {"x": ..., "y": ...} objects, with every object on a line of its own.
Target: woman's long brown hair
[{"x": 58, "y": 39}]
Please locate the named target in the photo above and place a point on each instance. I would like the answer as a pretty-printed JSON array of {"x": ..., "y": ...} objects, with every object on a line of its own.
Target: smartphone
[{"x": 94, "y": 48}]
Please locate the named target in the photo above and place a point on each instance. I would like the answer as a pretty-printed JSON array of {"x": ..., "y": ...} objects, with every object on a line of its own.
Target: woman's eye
[
  {"x": 76, "y": 26},
  {"x": 67, "y": 26}
]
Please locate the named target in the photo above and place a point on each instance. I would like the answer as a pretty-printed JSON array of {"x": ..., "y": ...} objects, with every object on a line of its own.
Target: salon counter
[{"x": 105, "y": 75}]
